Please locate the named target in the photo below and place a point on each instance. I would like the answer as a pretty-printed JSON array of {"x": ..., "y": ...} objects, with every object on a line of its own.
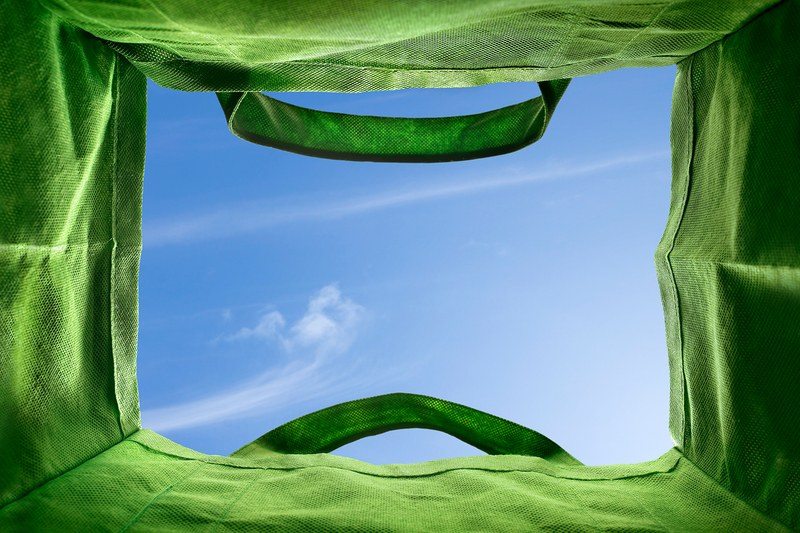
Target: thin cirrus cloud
[
  {"x": 244, "y": 218},
  {"x": 321, "y": 336}
]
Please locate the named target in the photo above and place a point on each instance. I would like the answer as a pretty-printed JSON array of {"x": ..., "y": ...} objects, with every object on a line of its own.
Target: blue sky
[{"x": 274, "y": 284}]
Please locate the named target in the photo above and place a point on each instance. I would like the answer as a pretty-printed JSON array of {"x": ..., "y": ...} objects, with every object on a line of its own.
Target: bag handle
[
  {"x": 261, "y": 119},
  {"x": 332, "y": 427}
]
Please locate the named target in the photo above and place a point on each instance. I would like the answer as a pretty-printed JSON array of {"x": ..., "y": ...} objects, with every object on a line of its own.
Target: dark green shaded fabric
[
  {"x": 331, "y": 428},
  {"x": 730, "y": 262},
  {"x": 264, "y": 120},
  {"x": 72, "y": 126}
]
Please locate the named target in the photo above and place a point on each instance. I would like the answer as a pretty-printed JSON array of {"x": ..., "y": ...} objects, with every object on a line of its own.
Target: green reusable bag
[{"x": 73, "y": 455}]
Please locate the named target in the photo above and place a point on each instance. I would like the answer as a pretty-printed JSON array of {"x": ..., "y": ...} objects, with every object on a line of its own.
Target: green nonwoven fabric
[
  {"x": 361, "y": 45},
  {"x": 148, "y": 483},
  {"x": 72, "y": 132},
  {"x": 333, "y": 427},
  {"x": 729, "y": 263},
  {"x": 72, "y": 122},
  {"x": 263, "y": 120}
]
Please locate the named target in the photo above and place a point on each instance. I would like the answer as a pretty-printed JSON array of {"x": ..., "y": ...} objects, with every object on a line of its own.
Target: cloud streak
[
  {"x": 244, "y": 218},
  {"x": 326, "y": 331}
]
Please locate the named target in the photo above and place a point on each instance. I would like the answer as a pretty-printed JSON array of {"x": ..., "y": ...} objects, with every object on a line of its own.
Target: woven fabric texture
[{"x": 72, "y": 137}]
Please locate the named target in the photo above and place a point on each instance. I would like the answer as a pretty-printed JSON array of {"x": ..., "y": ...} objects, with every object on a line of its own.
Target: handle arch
[
  {"x": 330, "y": 428},
  {"x": 261, "y": 119}
]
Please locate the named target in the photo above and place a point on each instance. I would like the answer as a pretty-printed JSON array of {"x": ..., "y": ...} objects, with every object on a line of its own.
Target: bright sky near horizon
[{"x": 274, "y": 284}]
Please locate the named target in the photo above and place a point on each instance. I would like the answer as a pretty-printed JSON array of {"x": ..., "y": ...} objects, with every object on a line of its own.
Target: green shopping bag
[{"x": 72, "y": 138}]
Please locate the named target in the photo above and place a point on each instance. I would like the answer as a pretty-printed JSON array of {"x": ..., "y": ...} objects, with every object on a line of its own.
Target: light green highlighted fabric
[{"x": 72, "y": 129}]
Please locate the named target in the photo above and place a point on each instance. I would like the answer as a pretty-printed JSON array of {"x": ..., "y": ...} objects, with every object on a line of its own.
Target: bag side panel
[
  {"x": 729, "y": 263},
  {"x": 72, "y": 119}
]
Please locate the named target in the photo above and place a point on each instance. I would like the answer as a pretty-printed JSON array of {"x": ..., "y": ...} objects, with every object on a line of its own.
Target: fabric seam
[
  {"x": 643, "y": 30},
  {"x": 736, "y": 496},
  {"x": 186, "y": 28},
  {"x": 380, "y": 68},
  {"x": 685, "y": 425},
  {"x": 666, "y": 470},
  {"x": 229, "y": 509},
  {"x": 58, "y": 476},
  {"x": 113, "y": 262},
  {"x": 138, "y": 516},
  {"x": 739, "y": 264},
  {"x": 90, "y": 18},
  {"x": 745, "y": 24}
]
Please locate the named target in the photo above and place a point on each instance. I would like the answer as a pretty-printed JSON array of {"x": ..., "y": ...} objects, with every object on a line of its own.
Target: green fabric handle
[
  {"x": 263, "y": 120},
  {"x": 332, "y": 427}
]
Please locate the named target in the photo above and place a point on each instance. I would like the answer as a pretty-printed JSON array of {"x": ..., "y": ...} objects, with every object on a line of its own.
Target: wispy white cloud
[
  {"x": 326, "y": 331},
  {"x": 243, "y": 218},
  {"x": 267, "y": 327},
  {"x": 328, "y": 326}
]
